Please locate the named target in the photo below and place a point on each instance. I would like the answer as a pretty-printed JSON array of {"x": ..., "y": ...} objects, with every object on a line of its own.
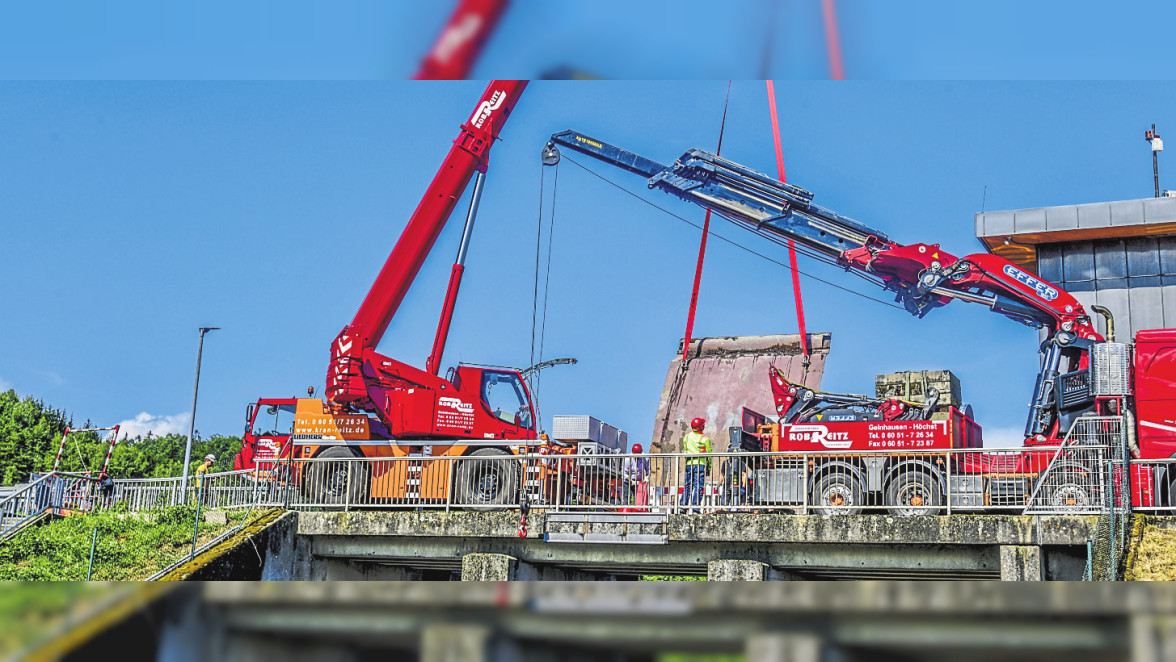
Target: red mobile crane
[
  {"x": 461, "y": 40},
  {"x": 1083, "y": 375},
  {"x": 378, "y": 406}
]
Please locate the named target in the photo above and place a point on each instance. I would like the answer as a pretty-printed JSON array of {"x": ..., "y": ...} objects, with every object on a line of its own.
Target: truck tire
[
  {"x": 326, "y": 483},
  {"x": 485, "y": 481},
  {"x": 837, "y": 493},
  {"x": 1067, "y": 491},
  {"x": 913, "y": 492}
]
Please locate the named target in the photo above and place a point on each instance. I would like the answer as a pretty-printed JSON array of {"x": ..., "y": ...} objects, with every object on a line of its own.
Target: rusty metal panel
[{"x": 722, "y": 376}]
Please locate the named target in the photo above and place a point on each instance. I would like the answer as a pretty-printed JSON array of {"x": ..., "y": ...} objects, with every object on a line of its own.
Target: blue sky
[
  {"x": 135, "y": 212},
  {"x": 687, "y": 39}
]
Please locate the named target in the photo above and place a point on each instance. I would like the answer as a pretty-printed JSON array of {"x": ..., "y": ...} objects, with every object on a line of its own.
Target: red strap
[
  {"x": 832, "y": 43},
  {"x": 702, "y": 245},
  {"x": 804, "y": 345}
]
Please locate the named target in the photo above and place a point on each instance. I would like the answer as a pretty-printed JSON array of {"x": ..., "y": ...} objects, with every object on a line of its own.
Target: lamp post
[
  {"x": 1157, "y": 146},
  {"x": 192, "y": 422}
]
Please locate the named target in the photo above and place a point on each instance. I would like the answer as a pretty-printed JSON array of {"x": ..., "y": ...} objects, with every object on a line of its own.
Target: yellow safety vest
[{"x": 696, "y": 442}]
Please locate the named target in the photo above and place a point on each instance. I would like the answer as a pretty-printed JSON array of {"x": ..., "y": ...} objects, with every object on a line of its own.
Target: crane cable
[
  {"x": 742, "y": 247},
  {"x": 538, "y": 322}
]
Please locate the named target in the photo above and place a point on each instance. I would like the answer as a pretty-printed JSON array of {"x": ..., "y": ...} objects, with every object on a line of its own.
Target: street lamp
[{"x": 192, "y": 422}]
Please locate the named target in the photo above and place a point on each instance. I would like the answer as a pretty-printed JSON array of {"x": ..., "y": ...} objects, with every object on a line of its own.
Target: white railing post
[
  {"x": 804, "y": 484},
  {"x": 947, "y": 491},
  {"x": 347, "y": 487}
]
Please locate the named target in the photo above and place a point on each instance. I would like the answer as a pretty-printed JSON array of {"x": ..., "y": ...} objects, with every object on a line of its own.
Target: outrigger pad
[{"x": 725, "y": 375}]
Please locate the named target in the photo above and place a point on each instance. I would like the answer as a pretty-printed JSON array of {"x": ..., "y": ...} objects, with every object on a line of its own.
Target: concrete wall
[{"x": 724, "y": 375}]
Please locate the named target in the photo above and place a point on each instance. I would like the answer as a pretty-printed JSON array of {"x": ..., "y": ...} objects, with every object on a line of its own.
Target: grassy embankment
[
  {"x": 30, "y": 611},
  {"x": 1152, "y": 556},
  {"x": 130, "y": 546}
]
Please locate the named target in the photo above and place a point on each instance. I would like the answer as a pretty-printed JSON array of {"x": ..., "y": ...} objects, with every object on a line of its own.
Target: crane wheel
[
  {"x": 331, "y": 484},
  {"x": 837, "y": 493},
  {"x": 488, "y": 479},
  {"x": 913, "y": 492}
]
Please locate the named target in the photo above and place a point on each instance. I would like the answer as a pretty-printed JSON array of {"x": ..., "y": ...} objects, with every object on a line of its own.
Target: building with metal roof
[{"x": 1121, "y": 255}]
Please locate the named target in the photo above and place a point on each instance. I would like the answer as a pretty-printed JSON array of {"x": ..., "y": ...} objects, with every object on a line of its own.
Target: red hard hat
[
  {"x": 697, "y": 423},
  {"x": 636, "y": 448}
]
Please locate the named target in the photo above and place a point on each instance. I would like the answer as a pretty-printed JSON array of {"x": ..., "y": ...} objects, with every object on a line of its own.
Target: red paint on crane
[{"x": 461, "y": 41}]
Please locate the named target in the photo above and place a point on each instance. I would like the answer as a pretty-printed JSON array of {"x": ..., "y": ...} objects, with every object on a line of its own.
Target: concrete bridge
[{"x": 407, "y": 545}]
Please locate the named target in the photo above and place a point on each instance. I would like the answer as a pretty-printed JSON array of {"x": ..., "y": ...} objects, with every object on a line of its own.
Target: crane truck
[
  {"x": 377, "y": 406},
  {"x": 1106, "y": 389}
]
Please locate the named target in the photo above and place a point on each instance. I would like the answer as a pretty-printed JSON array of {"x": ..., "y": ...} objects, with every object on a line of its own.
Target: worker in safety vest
[
  {"x": 695, "y": 443},
  {"x": 201, "y": 472}
]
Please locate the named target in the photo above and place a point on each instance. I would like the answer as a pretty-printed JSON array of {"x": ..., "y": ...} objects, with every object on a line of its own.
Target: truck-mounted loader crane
[{"x": 1083, "y": 375}]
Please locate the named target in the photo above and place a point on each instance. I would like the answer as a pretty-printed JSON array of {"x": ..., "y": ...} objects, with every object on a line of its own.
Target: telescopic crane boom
[
  {"x": 406, "y": 399},
  {"x": 923, "y": 276}
]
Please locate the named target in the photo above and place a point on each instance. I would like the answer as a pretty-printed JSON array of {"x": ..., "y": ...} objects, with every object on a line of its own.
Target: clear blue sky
[
  {"x": 136, "y": 212},
  {"x": 687, "y": 39}
]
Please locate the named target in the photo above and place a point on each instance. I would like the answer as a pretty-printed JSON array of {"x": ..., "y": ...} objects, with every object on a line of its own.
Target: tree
[{"x": 30, "y": 433}]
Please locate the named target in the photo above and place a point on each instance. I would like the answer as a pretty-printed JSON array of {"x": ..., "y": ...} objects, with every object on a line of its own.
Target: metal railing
[
  {"x": 1070, "y": 479},
  {"x": 1084, "y": 475},
  {"x": 228, "y": 489},
  {"x": 1153, "y": 484},
  {"x": 51, "y": 492}
]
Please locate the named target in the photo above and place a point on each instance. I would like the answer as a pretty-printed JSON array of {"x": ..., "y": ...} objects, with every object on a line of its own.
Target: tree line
[{"x": 30, "y": 434}]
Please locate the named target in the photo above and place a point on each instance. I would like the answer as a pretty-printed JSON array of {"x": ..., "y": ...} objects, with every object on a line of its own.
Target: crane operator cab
[{"x": 503, "y": 394}]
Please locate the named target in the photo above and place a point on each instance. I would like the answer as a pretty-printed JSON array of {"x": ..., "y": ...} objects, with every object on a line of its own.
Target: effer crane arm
[{"x": 923, "y": 276}]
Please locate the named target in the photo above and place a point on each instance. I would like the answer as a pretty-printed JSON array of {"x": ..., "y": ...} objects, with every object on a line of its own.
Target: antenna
[{"x": 1157, "y": 146}]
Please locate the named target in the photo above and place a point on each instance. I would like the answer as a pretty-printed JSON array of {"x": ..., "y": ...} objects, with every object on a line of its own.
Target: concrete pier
[{"x": 1021, "y": 563}]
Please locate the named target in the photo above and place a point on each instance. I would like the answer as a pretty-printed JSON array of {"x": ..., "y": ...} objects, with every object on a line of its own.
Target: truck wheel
[
  {"x": 1066, "y": 491},
  {"x": 914, "y": 492},
  {"x": 326, "y": 483},
  {"x": 837, "y": 493},
  {"x": 486, "y": 481}
]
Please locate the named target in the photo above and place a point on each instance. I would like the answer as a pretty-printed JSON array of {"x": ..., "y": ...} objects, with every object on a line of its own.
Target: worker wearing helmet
[
  {"x": 695, "y": 444},
  {"x": 201, "y": 471},
  {"x": 204, "y": 467},
  {"x": 634, "y": 470}
]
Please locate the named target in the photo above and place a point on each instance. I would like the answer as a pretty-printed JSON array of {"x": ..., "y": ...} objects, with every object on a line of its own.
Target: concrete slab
[{"x": 722, "y": 376}]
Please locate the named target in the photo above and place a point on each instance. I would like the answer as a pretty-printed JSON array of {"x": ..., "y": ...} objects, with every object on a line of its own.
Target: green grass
[
  {"x": 29, "y": 611},
  {"x": 130, "y": 547},
  {"x": 1155, "y": 556}
]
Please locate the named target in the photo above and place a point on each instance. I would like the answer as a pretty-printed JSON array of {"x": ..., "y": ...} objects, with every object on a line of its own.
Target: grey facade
[
  {"x": 1134, "y": 278},
  {"x": 1121, "y": 255}
]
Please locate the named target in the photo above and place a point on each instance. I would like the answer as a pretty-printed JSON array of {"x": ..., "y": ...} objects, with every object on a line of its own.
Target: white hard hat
[{"x": 210, "y": 457}]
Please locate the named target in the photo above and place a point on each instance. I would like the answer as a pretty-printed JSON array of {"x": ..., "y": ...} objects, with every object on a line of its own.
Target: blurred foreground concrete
[{"x": 572, "y": 621}]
